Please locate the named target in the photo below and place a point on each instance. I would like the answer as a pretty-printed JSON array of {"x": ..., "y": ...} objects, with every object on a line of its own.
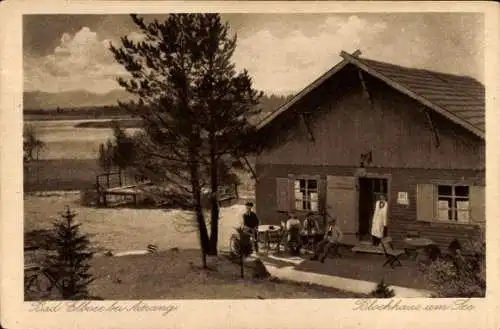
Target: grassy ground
[
  {"x": 60, "y": 174},
  {"x": 178, "y": 275},
  {"x": 80, "y": 174}
]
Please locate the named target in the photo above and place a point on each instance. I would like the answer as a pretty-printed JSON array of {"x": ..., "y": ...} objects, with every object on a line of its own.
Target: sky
[{"x": 282, "y": 52}]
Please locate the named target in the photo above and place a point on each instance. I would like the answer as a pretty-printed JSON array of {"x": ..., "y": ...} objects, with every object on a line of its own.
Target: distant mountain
[
  {"x": 81, "y": 98},
  {"x": 72, "y": 99}
]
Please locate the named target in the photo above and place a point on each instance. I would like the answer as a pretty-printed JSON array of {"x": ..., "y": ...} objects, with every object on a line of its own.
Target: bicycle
[
  {"x": 235, "y": 245},
  {"x": 38, "y": 282}
]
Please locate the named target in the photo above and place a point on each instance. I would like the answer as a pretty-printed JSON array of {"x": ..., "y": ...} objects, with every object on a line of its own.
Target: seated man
[
  {"x": 333, "y": 235},
  {"x": 310, "y": 228},
  {"x": 293, "y": 228}
]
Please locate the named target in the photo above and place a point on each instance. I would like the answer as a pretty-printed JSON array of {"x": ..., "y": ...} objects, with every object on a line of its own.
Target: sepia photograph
[
  {"x": 258, "y": 156},
  {"x": 241, "y": 156}
]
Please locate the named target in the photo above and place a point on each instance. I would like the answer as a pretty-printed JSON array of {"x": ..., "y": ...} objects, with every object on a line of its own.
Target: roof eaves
[
  {"x": 401, "y": 88},
  {"x": 301, "y": 94}
]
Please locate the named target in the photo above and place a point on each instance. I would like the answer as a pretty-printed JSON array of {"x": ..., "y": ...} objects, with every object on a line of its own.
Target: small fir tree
[
  {"x": 382, "y": 291},
  {"x": 69, "y": 266}
]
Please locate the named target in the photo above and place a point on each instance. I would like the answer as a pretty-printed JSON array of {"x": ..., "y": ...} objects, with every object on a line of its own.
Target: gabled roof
[{"x": 460, "y": 99}]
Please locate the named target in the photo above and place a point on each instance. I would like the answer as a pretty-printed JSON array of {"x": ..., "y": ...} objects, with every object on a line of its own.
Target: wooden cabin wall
[
  {"x": 345, "y": 124},
  {"x": 402, "y": 218}
]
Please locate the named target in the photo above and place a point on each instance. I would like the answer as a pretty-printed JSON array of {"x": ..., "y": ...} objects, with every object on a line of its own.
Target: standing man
[
  {"x": 251, "y": 221},
  {"x": 379, "y": 221}
]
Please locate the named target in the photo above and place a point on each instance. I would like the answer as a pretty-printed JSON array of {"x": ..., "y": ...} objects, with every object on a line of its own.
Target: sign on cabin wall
[{"x": 403, "y": 198}]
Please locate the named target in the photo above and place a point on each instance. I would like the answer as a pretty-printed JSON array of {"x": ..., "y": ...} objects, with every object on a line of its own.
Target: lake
[{"x": 64, "y": 141}]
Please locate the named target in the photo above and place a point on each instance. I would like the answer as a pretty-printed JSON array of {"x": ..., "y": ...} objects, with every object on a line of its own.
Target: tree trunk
[
  {"x": 202, "y": 227},
  {"x": 214, "y": 198},
  {"x": 242, "y": 265}
]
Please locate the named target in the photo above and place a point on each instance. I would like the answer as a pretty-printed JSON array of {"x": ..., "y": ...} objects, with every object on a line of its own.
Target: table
[
  {"x": 417, "y": 245},
  {"x": 265, "y": 231}
]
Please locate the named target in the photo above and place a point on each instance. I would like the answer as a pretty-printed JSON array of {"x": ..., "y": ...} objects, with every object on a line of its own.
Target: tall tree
[
  {"x": 192, "y": 102},
  {"x": 228, "y": 99},
  {"x": 118, "y": 152},
  {"x": 32, "y": 145}
]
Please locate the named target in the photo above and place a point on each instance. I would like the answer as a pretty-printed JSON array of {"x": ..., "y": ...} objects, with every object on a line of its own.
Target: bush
[
  {"x": 461, "y": 274},
  {"x": 382, "y": 290},
  {"x": 244, "y": 243},
  {"x": 89, "y": 197}
]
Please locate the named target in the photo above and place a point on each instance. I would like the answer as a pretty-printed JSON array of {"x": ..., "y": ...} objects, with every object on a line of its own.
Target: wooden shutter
[
  {"x": 426, "y": 202},
  {"x": 341, "y": 197},
  {"x": 477, "y": 203},
  {"x": 283, "y": 194}
]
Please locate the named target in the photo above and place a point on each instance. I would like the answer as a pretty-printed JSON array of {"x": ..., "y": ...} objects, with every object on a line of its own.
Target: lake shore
[{"x": 124, "y": 123}]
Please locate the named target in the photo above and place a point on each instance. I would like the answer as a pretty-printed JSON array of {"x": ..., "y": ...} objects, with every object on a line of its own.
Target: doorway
[{"x": 369, "y": 191}]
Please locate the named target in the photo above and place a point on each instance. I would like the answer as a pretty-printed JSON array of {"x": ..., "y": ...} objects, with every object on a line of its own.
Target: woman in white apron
[{"x": 379, "y": 221}]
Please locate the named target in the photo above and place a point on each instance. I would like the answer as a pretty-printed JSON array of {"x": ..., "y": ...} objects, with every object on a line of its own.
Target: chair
[
  {"x": 294, "y": 242},
  {"x": 392, "y": 255}
]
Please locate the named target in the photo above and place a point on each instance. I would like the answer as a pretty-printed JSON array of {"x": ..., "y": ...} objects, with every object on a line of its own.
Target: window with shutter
[
  {"x": 283, "y": 191},
  {"x": 426, "y": 205},
  {"x": 450, "y": 203}
]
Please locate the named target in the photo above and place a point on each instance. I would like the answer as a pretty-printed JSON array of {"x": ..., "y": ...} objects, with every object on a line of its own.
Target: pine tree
[
  {"x": 193, "y": 104},
  {"x": 69, "y": 266},
  {"x": 382, "y": 291}
]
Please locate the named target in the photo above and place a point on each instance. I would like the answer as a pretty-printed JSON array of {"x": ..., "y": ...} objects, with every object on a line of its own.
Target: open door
[{"x": 341, "y": 202}]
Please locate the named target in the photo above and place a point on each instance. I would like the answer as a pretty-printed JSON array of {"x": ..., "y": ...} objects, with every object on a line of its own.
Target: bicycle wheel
[{"x": 31, "y": 283}]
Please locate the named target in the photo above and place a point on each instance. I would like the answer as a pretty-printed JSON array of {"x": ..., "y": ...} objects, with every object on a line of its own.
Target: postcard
[{"x": 249, "y": 164}]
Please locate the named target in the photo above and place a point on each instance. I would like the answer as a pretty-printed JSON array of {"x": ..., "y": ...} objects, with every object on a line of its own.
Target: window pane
[
  {"x": 462, "y": 205},
  {"x": 462, "y": 191},
  {"x": 302, "y": 183},
  {"x": 312, "y": 184},
  {"x": 443, "y": 214},
  {"x": 463, "y": 216},
  {"x": 314, "y": 196},
  {"x": 444, "y": 190},
  {"x": 299, "y": 205},
  {"x": 444, "y": 203},
  {"x": 299, "y": 195}
]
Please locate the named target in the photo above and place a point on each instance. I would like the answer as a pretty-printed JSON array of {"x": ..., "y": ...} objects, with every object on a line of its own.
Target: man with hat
[
  {"x": 251, "y": 221},
  {"x": 333, "y": 235}
]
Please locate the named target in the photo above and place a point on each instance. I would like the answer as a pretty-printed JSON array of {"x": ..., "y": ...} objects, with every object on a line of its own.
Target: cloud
[
  {"x": 136, "y": 36},
  {"x": 290, "y": 62},
  {"x": 80, "y": 61}
]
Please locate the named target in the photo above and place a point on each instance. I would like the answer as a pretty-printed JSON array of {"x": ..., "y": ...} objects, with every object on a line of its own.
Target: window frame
[
  {"x": 305, "y": 192},
  {"x": 453, "y": 209}
]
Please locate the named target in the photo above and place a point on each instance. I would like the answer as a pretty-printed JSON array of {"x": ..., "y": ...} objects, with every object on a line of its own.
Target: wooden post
[
  {"x": 254, "y": 175},
  {"x": 236, "y": 191},
  {"x": 242, "y": 271},
  {"x": 433, "y": 128}
]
